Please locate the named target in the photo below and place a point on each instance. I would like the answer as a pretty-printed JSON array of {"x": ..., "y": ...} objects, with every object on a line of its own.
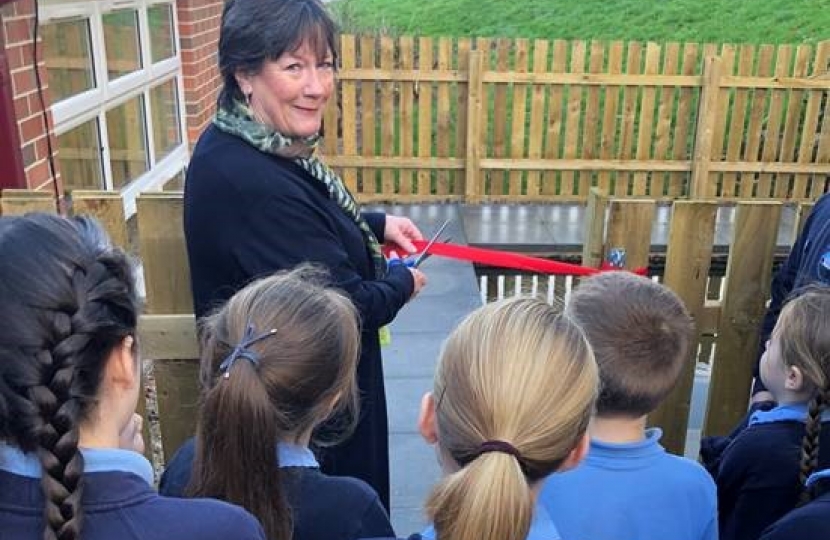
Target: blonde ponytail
[{"x": 515, "y": 388}]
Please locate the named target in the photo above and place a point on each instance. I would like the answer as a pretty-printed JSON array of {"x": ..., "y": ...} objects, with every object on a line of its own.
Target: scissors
[{"x": 416, "y": 260}]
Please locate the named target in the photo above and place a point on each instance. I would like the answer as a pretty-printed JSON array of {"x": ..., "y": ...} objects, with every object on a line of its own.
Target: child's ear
[
  {"x": 577, "y": 454},
  {"x": 426, "y": 419},
  {"x": 122, "y": 367},
  {"x": 795, "y": 379}
]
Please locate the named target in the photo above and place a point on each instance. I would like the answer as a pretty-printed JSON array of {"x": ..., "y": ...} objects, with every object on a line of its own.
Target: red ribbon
[{"x": 517, "y": 261}]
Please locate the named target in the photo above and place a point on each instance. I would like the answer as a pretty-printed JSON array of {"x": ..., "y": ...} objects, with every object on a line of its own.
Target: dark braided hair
[{"x": 67, "y": 299}]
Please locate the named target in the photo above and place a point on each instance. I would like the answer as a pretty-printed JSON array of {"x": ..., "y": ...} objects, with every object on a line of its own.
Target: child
[
  {"x": 763, "y": 470},
  {"x": 809, "y": 522},
  {"x": 641, "y": 334},
  {"x": 69, "y": 385},
  {"x": 278, "y": 359},
  {"x": 513, "y": 395}
]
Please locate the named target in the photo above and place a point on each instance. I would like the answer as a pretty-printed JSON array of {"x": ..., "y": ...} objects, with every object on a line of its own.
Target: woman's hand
[
  {"x": 420, "y": 280},
  {"x": 131, "y": 437},
  {"x": 401, "y": 232}
]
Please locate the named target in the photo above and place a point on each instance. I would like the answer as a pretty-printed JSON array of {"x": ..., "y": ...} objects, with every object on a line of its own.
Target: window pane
[
  {"x": 79, "y": 155},
  {"x": 164, "y": 104},
  {"x": 121, "y": 40},
  {"x": 127, "y": 141},
  {"x": 68, "y": 57},
  {"x": 160, "y": 19}
]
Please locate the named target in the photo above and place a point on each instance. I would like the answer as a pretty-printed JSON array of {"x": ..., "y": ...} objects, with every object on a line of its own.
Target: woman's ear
[
  {"x": 243, "y": 80},
  {"x": 426, "y": 419},
  {"x": 576, "y": 455}
]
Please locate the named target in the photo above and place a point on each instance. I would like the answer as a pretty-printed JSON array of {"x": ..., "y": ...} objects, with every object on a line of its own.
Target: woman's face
[{"x": 291, "y": 92}]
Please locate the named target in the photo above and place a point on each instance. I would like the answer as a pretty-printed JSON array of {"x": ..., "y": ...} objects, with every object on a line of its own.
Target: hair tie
[
  {"x": 242, "y": 350},
  {"x": 499, "y": 446}
]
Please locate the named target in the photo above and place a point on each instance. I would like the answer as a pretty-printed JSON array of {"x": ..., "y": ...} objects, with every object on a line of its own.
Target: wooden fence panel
[
  {"x": 407, "y": 116},
  {"x": 462, "y": 89},
  {"x": 684, "y": 122},
  {"x": 766, "y": 181},
  {"x": 641, "y": 186},
  {"x": 16, "y": 202},
  {"x": 689, "y": 254},
  {"x": 518, "y": 117},
  {"x": 816, "y": 108},
  {"x": 551, "y": 179},
  {"x": 622, "y": 186},
  {"x": 608, "y": 138},
  {"x": 348, "y": 100},
  {"x": 663, "y": 124},
  {"x": 629, "y": 228},
  {"x": 498, "y": 180},
  {"x": 368, "y": 110},
  {"x": 735, "y": 131},
  {"x": 755, "y": 128},
  {"x": 425, "y": 59},
  {"x": 747, "y": 287},
  {"x": 444, "y": 119},
  {"x": 784, "y": 183},
  {"x": 108, "y": 208},
  {"x": 388, "y": 118},
  {"x": 167, "y": 282},
  {"x": 537, "y": 116}
]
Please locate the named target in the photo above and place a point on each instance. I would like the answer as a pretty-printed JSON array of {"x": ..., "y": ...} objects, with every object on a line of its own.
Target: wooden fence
[
  {"x": 422, "y": 119},
  {"x": 167, "y": 331}
]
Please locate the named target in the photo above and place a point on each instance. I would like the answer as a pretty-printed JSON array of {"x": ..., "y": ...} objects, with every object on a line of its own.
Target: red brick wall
[
  {"x": 18, "y": 20},
  {"x": 199, "y": 22}
]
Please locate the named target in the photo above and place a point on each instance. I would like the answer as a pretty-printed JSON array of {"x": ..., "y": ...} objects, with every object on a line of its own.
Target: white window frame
[{"x": 92, "y": 104}]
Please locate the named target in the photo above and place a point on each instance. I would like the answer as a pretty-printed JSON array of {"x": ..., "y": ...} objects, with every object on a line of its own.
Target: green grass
[{"x": 702, "y": 21}]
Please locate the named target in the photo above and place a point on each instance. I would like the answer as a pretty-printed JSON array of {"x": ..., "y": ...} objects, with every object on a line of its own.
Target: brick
[
  {"x": 21, "y": 107},
  {"x": 31, "y": 128},
  {"x": 29, "y": 154},
  {"x": 23, "y": 80},
  {"x": 19, "y": 30}
]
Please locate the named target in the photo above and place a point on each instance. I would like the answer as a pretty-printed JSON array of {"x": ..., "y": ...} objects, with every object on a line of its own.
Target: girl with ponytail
[
  {"x": 765, "y": 471},
  {"x": 69, "y": 385},
  {"x": 514, "y": 392},
  {"x": 278, "y": 360}
]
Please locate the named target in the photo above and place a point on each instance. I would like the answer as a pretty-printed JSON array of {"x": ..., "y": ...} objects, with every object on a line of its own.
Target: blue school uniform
[
  {"x": 118, "y": 502},
  {"x": 632, "y": 491},
  {"x": 757, "y": 477},
  {"x": 323, "y": 507},
  {"x": 811, "y": 521},
  {"x": 541, "y": 528}
]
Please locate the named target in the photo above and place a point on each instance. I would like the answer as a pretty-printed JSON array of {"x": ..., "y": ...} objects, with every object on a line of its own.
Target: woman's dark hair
[
  {"x": 277, "y": 360},
  {"x": 254, "y": 31},
  {"x": 67, "y": 298}
]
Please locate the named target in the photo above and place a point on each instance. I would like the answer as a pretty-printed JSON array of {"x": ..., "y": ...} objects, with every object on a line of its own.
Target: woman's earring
[{"x": 248, "y": 99}]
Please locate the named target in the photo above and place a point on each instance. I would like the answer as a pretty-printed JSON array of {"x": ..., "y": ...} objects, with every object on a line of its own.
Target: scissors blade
[{"x": 422, "y": 257}]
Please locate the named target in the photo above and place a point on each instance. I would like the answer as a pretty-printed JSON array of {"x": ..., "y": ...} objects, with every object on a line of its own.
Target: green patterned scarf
[{"x": 238, "y": 120}]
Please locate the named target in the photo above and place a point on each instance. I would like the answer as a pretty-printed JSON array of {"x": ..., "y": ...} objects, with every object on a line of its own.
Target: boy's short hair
[{"x": 640, "y": 332}]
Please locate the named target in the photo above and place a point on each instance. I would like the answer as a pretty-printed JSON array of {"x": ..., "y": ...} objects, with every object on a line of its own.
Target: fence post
[
  {"x": 167, "y": 281},
  {"x": 629, "y": 228},
  {"x": 475, "y": 91},
  {"x": 108, "y": 208},
  {"x": 688, "y": 257},
  {"x": 707, "y": 115},
  {"x": 16, "y": 202},
  {"x": 748, "y": 275},
  {"x": 594, "y": 228}
]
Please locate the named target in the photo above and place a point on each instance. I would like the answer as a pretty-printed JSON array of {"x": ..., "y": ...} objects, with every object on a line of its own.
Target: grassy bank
[{"x": 748, "y": 21}]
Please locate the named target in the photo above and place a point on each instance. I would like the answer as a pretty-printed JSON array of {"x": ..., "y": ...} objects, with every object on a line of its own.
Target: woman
[
  {"x": 257, "y": 199},
  {"x": 69, "y": 385}
]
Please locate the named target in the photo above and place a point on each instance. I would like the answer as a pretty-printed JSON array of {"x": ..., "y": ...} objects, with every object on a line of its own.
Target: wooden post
[
  {"x": 704, "y": 134},
  {"x": 475, "y": 110},
  {"x": 108, "y": 208},
  {"x": 167, "y": 281},
  {"x": 748, "y": 275},
  {"x": 629, "y": 228},
  {"x": 594, "y": 228},
  {"x": 688, "y": 258},
  {"x": 16, "y": 202},
  {"x": 801, "y": 214}
]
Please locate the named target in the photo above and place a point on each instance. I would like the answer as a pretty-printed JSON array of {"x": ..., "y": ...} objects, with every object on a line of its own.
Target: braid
[{"x": 810, "y": 442}]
